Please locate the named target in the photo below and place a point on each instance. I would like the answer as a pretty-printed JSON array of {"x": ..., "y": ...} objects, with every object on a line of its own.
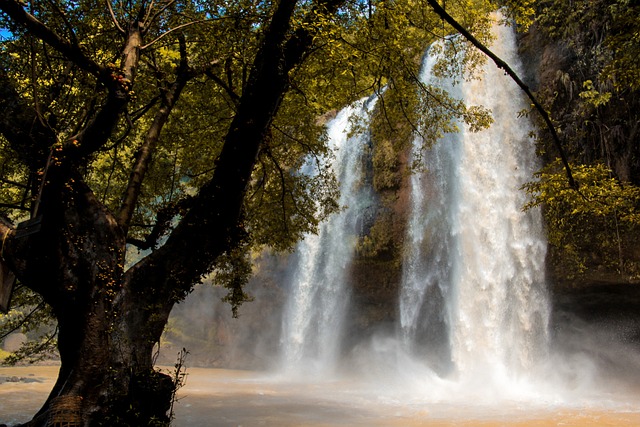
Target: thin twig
[
  {"x": 172, "y": 30},
  {"x": 157, "y": 14},
  {"x": 23, "y": 321},
  {"x": 114, "y": 19}
]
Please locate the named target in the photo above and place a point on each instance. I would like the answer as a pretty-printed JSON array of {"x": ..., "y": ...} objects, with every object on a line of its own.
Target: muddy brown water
[{"x": 233, "y": 398}]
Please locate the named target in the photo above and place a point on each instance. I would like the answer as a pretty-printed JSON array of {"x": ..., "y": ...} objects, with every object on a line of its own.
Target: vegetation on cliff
[{"x": 589, "y": 82}]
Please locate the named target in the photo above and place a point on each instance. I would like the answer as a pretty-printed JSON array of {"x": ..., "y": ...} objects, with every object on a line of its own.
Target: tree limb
[
  {"x": 504, "y": 66},
  {"x": 73, "y": 52},
  {"x": 145, "y": 152},
  {"x": 114, "y": 19},
  {"x": 162, "y": 225},
  {"x": 227, "y": 89},
  {"x": 150, "y": 18},
  {"x": 74, "y": 39},
  {"x": 214, "y": 224},
  {"x": 166, "y": 33},
  {"x": 95, "y": 134}
]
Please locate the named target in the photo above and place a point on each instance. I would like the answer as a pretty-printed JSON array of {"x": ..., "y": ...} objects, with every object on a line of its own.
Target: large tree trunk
[
  {"x": 109, "y": 320},
  {"x": 106, "y": 331}
]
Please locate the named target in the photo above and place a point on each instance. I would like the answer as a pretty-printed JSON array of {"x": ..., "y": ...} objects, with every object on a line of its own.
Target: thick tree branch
[
  {"x": 73, "y": 52},
  {"x": 213, "y": 225},
  {"x": 504, "y": 66},
  {"x": 95, "y": 134},
  {"x": 162, "y": 225},
  {"x": 97, "y": 131}
]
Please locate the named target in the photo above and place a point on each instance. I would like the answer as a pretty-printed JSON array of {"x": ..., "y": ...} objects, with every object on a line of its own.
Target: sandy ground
[{"x": 217, "y": 398}]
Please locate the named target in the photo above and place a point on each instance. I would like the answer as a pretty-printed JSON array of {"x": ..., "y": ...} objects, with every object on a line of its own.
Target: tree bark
[{"x": 110, "y": 319}]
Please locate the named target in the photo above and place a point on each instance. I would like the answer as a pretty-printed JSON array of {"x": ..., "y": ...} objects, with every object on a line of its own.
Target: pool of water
[
  {"x": 219, "y": 397},
  {"x": 242, "y": 398}
]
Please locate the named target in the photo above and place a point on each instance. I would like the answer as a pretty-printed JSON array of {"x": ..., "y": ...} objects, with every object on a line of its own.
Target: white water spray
[
  {"x": 473, "y": 296},
  {"x": 315, "y": 310}
]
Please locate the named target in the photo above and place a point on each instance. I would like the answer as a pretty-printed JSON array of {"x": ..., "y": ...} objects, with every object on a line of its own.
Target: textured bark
[{"x": 110, "y": 319}]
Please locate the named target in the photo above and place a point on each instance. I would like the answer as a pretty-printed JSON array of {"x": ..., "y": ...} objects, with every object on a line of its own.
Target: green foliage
[
  {"x": 380, "y": 239},
  {"x": 356, "y": 52},
  {"x": 386, "y": 167},
  {"x": 593, "y": 98},
  {"x": 233, "y": 272},
  {"x": 624, "y": 43},
  {"x": 365, "y": 48},
  {"x": 593, "y": 225},
  {"x": 523, "y": 12}
]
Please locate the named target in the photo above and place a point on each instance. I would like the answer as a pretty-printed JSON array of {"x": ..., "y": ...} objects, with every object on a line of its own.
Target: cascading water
[
  {"x": 319, "y": 296},
  {"x": 473, "y": 297}
]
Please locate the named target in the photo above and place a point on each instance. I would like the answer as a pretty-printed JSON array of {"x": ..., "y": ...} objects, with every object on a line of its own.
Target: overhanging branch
[
  {"x": 504, "y": 66},
  {"x": 214, "y": 224}
]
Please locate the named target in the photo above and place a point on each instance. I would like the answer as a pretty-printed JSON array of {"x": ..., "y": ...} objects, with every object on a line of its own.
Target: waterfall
[
  {"x": 318, "y": 296},
  {"x": 473, "y": 296}
]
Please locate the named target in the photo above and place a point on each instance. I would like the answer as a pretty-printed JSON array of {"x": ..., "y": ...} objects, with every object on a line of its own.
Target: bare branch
[
  {"x": 148, "y": 10},
  {"x": 113, "y": 18},
  {"x": 149, "y": 18},
  {"x": 161, "y": 36}
]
